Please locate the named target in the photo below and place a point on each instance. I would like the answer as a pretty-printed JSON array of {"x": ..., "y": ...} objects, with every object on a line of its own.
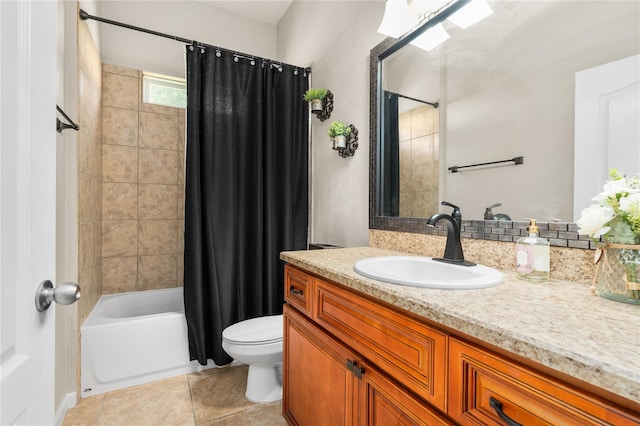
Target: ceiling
[{"x": 269, "y": 11}]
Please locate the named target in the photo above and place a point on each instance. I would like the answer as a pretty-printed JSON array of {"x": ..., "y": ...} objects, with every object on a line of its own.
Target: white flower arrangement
[{"x": 616, "y": 215}]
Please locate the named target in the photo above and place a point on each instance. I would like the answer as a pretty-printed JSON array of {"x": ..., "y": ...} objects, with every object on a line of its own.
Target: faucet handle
[
  {"x": 488, "y": 214},
  {"x": 456, "y": 210}
]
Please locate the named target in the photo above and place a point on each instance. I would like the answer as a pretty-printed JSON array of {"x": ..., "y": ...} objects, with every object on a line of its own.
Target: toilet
[{"x": 258, "y": 343}]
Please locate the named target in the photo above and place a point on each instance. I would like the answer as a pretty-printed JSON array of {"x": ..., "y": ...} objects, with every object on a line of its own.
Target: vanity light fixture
[
  {"x": 397, "y": 20},
  {"x": 472, "y": 13},
  {"x": 431, "y": 38}
]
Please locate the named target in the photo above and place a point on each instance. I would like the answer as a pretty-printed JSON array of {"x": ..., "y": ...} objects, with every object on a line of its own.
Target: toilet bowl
[{"x": 258, "y": 343}]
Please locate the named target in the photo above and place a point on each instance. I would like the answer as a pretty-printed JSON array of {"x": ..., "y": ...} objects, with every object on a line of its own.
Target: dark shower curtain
[
  {"x": 245, "y": 193},
  {"x": 390, "y": 160}
]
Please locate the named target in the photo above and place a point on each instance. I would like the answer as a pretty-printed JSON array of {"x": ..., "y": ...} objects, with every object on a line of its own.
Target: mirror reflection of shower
[{"x": 418, "y": 128}]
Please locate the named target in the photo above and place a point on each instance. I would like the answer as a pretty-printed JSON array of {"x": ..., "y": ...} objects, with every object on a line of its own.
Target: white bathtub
[{"x": 134, "y": 338}]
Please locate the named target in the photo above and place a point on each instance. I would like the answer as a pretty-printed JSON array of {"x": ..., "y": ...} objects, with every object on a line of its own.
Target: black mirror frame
[
  {"x": 566, "y": 232},
  {"x": 384, "y": 49}
]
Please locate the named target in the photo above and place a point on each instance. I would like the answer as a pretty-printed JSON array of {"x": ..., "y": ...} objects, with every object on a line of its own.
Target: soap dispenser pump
[{"x": 532, "y": 255}]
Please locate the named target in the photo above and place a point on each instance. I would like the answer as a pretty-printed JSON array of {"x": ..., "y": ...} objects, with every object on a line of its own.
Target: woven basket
[{"x": 618, "y": 272}]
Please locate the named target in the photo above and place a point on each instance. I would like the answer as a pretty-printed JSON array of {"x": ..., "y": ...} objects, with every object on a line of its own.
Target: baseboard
[{"x": 69, "y": 401}]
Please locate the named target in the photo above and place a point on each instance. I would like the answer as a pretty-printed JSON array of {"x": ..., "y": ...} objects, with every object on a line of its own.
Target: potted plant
[
  {"x": 315, "y": 97},
  {"x": 339, "y": 132}
]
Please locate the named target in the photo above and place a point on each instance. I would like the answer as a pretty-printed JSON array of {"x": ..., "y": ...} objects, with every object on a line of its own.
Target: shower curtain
[
  {"x": 390, "y": 153},
  {"x": 245, "y": 190}
]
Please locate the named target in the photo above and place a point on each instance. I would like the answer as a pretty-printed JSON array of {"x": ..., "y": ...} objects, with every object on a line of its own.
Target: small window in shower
[{"x": 164, "y": 90}]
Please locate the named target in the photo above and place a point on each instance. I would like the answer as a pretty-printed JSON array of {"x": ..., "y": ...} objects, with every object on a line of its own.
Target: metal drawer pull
[
  {"x": 296, "y": 291},
  {"x": 497, "y": 405}
]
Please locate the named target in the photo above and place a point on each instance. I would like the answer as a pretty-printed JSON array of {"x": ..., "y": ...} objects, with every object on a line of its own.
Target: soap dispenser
[{"x": 532, "y": 255}]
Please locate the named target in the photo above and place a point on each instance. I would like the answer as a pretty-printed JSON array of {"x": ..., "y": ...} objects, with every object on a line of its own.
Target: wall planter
[
  {"x": 320, "y": 102},
  {"x": 344, "y": 138},
  {"x": 316, "y": 105},
  {"x": 339, "y": 142}
]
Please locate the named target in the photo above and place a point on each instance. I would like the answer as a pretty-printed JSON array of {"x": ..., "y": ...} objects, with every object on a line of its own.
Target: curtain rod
[
  {"x": 433, "y": 104},
  {"x": 84, "y": 16}
]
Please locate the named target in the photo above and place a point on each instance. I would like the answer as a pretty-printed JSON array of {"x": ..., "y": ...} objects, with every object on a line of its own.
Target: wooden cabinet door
[
  {"x": 318, "y": 388},
  {"x": 383, "y": 403},
  {"x": 405, "y": 349}
]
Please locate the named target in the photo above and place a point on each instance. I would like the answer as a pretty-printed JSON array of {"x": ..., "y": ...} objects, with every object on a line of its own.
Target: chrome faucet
[{"x": 453, "y": 248}]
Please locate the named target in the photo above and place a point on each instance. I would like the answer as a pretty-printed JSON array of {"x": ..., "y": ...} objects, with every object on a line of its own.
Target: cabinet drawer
[
  {"x": 405, "y": 349},
  {"x": 298, "y": 289},
  {"x": 482, "y": 384}
]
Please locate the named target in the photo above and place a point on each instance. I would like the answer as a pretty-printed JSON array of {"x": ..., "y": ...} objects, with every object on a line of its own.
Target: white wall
[
  {"x": 338, "y": 46},
  {"x": 192, "y": 20}
]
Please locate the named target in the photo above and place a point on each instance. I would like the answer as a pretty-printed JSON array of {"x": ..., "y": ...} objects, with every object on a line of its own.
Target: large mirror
[{"x": 501, "y": 91}]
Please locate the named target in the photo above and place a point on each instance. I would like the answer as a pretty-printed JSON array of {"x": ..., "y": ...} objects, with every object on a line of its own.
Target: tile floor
[{"x": 210, "y": 397}]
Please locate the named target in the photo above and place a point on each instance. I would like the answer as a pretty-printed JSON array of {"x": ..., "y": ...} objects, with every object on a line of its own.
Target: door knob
[{"x": 64, "y": 294}]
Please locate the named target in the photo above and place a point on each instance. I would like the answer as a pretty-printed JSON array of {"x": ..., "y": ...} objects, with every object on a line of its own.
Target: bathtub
[{"x": 134, "y": 338}]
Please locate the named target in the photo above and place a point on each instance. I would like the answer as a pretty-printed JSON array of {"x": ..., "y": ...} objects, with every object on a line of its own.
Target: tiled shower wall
[
  {"x": 89, "y": 165},
  {"x": 142, "y": 187},
  {"x": 419, "y": 165}
]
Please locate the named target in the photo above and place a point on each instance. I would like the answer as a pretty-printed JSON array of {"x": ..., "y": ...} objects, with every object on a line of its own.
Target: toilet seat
[{"x": 255, "y": 331}]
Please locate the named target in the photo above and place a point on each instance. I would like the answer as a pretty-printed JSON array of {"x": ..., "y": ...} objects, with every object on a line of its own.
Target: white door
[
  {"x": 27, "y": 209},
  {"x": 607, "y": 126}
]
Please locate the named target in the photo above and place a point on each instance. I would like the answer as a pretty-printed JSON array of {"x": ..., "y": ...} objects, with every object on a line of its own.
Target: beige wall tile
[
  {"x": 421, "y": 150},
  {"x": 436, "y": 120},
  {"x": 180, "y": 202},
  {"x": 404, "y": 126},
  {"x": 157, "y": 237},
  {"x": 119, "y": 91},
  {"x": 119, "y": 126},
  {"x": 89, "y": 171},
  {"x": 119, "y": 163},
  {"x": 157, "y": 109},
  {"x": 182, "y": 128},
  {"x": 86, "y": 241},
  {"x": 420, "y": 178},
  {"x": 119, "y": 274},
  {"x": 421, "y": 122},
  {"x": 115, "y": 69},
  {"x": 180, "y": 270},
  {"x": 119, "y": 200},
  {"x": 85, "y": 202},
  {"x": 119, "y": 238},
  {"x": 156, "y": 272},
  {"x": 181, "y": 167},
  {"x": 158, "y": 166},
  {"x": 96, "y": 188},
  {"x": 158, "y": 131},
  {"x": 180, "y": 242},
  {"x": 140, "y": 196},
  {"x": 157, "y": 201}
]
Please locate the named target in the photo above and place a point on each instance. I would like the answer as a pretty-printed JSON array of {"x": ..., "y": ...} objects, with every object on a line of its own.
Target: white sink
[{"x": 417, "y": 271}]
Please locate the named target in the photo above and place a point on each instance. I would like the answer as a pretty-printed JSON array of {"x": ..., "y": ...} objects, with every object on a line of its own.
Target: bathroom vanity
[{"x": 359, "y": 351}]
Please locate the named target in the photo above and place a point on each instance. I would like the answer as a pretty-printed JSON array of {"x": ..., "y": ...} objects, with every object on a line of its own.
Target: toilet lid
[{"x": 255, "y": 331}]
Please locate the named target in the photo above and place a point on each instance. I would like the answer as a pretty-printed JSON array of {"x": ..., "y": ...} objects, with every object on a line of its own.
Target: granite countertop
[{"x": 559, "y": 324}]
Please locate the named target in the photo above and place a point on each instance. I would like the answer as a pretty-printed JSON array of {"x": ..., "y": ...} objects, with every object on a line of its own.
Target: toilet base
[{"x": 264, "y": 383}]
